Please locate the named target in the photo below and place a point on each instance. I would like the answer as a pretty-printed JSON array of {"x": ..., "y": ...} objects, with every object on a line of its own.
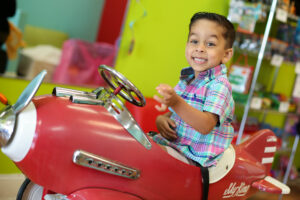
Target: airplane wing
[{"x": 271, "y": 185}]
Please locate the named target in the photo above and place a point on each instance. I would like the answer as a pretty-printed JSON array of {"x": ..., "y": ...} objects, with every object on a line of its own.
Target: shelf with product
[
  {"x": 278, "y": 59},
  {"x": 249, "y": 43},
  {"x": 268, "y": 36},
  {"x": 271, "y": 100}
]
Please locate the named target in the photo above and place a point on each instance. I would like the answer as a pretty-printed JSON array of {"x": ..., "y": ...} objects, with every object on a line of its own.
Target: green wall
[{"x": 160, "y": 38}]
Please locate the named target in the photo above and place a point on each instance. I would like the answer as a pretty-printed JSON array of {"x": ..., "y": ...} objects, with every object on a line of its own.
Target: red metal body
[
  {"x": 80, "y": 145},
  {"x": 64, "y": 127}
]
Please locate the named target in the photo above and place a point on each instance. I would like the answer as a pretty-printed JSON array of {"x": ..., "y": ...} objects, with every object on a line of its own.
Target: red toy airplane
[{"x": 76, "y": 145}]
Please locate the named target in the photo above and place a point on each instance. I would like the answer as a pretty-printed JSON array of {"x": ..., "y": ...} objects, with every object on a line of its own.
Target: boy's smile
[
  {"x": 206, "y": 46},
  {"x": 199, "y": 60}
]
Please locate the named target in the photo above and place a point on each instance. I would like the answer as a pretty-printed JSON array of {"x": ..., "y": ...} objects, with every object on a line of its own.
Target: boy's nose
[{"x": 200, "y": 48}]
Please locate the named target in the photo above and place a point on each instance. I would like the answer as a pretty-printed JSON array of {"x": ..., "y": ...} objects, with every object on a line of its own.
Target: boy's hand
[
  {"x": 169, "y": 97},
  {"x": 166, "y": 127}
]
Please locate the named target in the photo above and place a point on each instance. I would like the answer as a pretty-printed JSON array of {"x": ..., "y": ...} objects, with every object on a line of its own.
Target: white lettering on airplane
[
  {"x": 235, "y": 190},
  {"x": 271, "y": 139}
]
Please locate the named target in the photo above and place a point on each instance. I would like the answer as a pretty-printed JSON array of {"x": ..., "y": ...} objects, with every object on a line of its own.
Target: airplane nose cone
[
  {"x": 7, "y": 124},
  {"x": 8, "y": 115}
]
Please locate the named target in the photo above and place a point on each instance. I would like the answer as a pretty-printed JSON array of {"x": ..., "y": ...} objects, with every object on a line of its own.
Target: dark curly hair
[{"x": 229, "y": 32}]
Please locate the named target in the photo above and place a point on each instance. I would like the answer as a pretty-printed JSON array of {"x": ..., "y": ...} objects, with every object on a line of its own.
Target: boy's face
[{"x": 206, "y": 46}]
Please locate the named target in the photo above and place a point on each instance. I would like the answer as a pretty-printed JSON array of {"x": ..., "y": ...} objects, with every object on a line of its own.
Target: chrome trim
[
  {"x": 55, "y": 197},
  {"x": 120, "y": 113},
  {"x": 86, "y": 100},
  {"x": 7, "y": 125},
  {"x": 116, "y": 107},
  {"x": 98, "y": 91},
  {"x": 66, "y": 92},
  {"x": 100, "y": 163}
]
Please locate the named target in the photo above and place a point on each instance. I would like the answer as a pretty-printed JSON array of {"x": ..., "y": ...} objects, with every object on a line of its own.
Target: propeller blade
[{"x": 29, "y": 92}]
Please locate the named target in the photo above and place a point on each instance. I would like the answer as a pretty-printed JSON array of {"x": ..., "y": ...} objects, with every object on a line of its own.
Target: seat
[{"x": 224, "y": 165}]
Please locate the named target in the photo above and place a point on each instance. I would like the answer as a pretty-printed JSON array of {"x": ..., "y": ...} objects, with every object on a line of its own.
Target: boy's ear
[{"x": 228, "y": 55}]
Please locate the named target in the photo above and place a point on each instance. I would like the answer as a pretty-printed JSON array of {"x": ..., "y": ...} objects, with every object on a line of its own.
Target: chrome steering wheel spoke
[{"x": 122, "y": 86}]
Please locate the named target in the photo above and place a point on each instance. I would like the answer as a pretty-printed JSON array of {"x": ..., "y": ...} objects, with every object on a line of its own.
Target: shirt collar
[{"x": 188, "y": 74}]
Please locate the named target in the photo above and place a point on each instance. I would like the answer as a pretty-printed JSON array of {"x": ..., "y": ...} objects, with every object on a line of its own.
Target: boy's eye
[
  {"x": 194, "y": 41},
  {"x": 211, "y": 44}
]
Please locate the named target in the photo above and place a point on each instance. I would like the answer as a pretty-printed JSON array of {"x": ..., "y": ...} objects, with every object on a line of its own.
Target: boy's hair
[{"x": 229, "y": 33}]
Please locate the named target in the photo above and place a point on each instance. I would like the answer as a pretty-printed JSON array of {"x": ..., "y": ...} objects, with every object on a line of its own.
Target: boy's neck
[{"x": 197, "y": 73}]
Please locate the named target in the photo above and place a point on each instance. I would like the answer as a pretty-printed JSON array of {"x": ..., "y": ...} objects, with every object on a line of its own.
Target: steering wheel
[{"x": 122, "y": 86}]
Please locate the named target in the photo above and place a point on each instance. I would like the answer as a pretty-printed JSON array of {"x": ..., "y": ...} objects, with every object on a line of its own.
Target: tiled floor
[{"x": 10, "y": 184}]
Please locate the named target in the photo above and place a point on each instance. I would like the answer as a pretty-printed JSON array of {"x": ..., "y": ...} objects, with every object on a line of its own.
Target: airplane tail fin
[
  {"x": 271, "y": 185},
  {"x": 262, "y": 145}
]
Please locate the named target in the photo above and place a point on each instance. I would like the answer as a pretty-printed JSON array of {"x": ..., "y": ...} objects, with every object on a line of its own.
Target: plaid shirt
[{"x": 210, "y": 92}]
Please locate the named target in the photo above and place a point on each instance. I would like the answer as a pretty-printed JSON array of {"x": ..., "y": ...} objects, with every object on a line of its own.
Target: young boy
[{"x": 201, "y": 104}]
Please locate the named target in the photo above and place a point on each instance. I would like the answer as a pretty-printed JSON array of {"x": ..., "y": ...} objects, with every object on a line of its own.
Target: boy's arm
[
  {"x": 166, "y": 126},
  {"x": 202, "y": 122}
]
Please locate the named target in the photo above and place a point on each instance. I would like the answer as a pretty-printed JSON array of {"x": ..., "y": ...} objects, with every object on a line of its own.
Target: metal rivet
[
  {"x": 99, "y": 164},
  {"x": 90, "y": 161}
]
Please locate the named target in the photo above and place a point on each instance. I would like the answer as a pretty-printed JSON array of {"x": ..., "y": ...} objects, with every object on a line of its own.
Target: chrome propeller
[
  {"x": 29, "y": 92},
  {"x": 8, "y": 115}
]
